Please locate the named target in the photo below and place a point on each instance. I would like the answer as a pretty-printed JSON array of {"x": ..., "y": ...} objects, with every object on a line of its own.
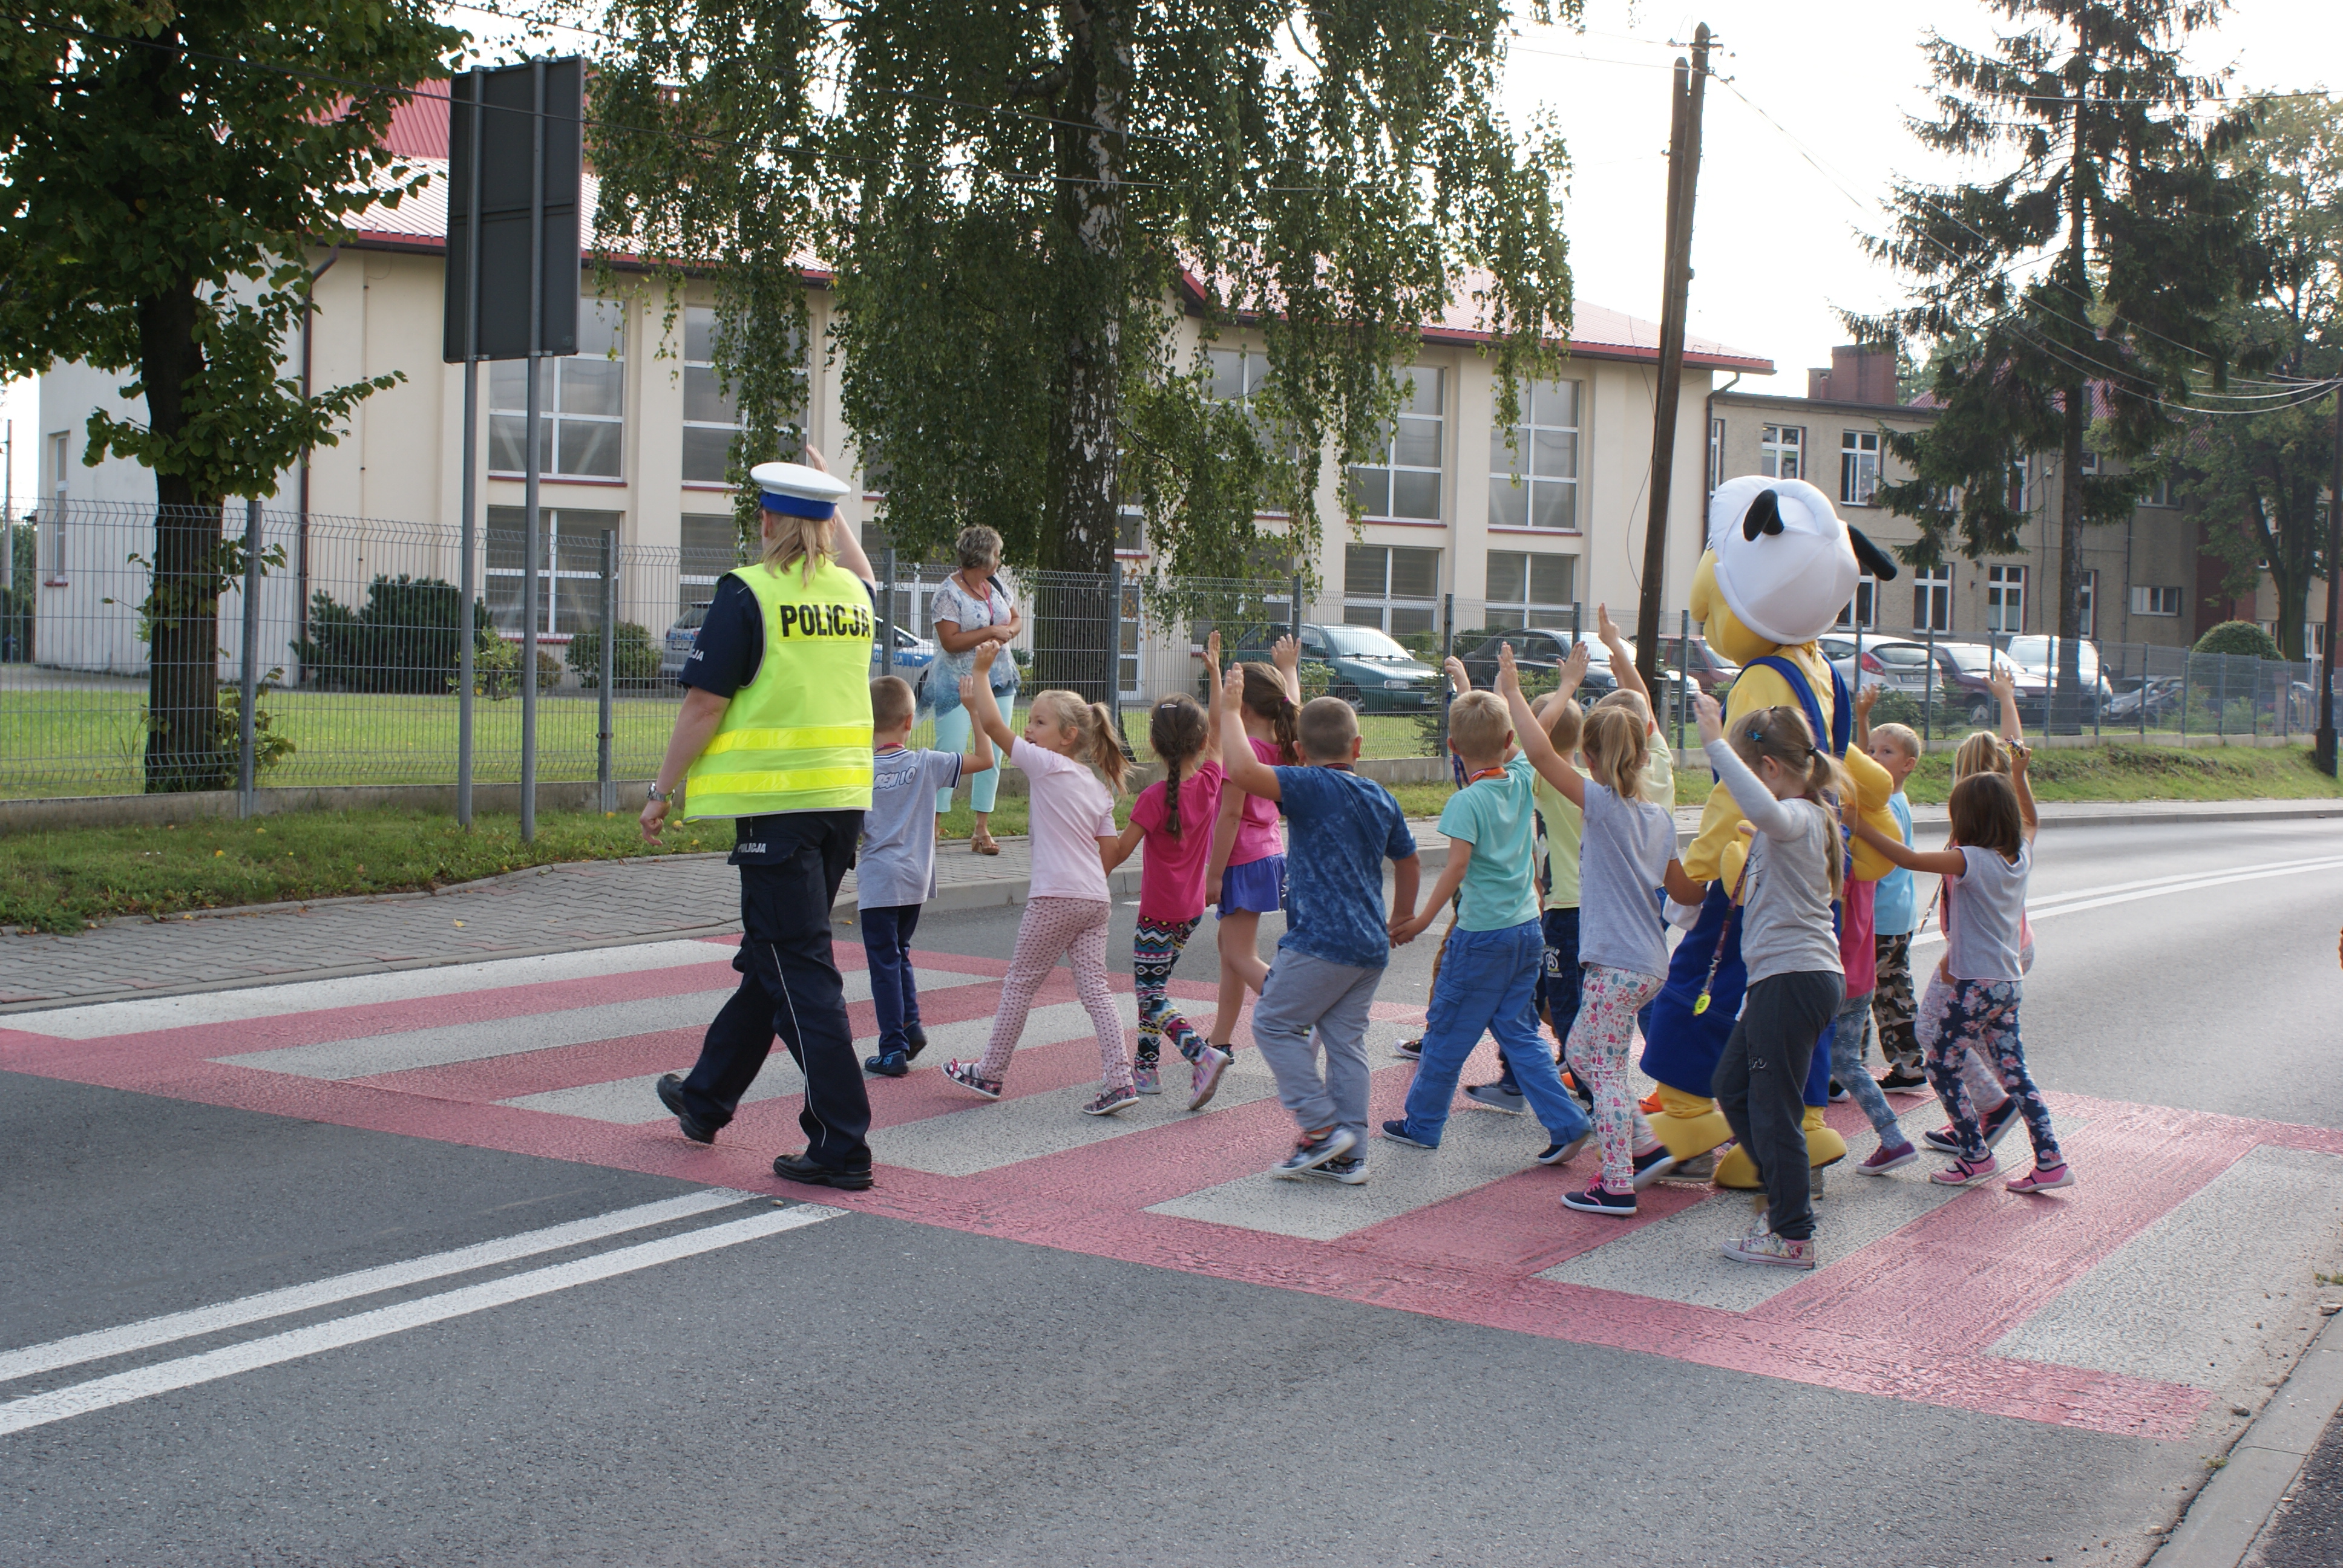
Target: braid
[{"x": 1171, "y": 798}]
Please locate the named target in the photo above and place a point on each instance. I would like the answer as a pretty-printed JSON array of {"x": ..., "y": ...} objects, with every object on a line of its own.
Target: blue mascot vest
[{"x": 1681, "y": 1048}]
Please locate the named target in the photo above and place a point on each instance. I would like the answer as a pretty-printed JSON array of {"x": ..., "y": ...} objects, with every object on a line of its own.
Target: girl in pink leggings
[{"x": 1072, "y": 817}]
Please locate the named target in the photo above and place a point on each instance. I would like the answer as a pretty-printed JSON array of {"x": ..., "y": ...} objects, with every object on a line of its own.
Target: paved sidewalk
[{"x": 608, "y": 903}]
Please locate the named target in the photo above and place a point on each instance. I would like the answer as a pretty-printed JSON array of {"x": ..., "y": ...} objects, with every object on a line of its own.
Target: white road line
[
  {"x": 100, "y": 1343},
  {"x": 163, "y": 1377},
  {"x": 2308, "y": 863},
  {"x": 2076, "y": 903}
]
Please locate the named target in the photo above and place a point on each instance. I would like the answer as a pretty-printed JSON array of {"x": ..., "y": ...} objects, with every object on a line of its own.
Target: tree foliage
[
  {"x": 2258, "y": 475},
  {"x": 167, "y": 167},
  {"x": 2240, "y": 638},
  {"x": 1015, "y": 203},
  {"x": 2105, "y": 147}
]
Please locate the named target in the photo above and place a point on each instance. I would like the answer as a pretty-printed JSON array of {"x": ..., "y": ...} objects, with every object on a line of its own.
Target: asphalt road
[{"x": 868, "y": 1390}]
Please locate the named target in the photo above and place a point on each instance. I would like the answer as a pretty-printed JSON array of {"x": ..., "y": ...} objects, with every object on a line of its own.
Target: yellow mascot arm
[
  {"x": 1873, "y": 786},
  {"x": 1720, "y": 822}
]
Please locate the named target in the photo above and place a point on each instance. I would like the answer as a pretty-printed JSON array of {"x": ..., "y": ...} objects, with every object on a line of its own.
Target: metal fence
[{"x": 357, "y": 629}]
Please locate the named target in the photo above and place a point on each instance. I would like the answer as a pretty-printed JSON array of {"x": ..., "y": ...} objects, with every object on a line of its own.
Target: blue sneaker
[
  {"x": 1561, "y": 1153},
  {"x": 1600, "y": 1200},
  {"x": 1397, "y": 1133},
  {"x": 1348, "y": 1171},
  {"x": 1650, "y": 1168},
  {"x": 1313, "y": 1150},
  {"x": 1501, "y": 1095},
  {"x": 888, "y": 1063}
]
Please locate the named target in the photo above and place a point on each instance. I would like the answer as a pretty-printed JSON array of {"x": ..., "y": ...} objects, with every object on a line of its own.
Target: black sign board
[{"x": 521, "y": 128}]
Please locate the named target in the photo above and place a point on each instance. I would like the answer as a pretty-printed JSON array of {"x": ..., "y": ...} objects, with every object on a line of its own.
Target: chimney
[
  {"x": 1856, "y": 375},
  {"x": 1818, "y": 383}
]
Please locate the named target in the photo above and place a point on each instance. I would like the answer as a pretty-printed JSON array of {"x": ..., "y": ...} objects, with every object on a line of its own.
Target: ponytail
[
  {"x": 1265, "y": 697},
  {"x": 805, "y": 540},
  {"x": 1105, "y": 746}
]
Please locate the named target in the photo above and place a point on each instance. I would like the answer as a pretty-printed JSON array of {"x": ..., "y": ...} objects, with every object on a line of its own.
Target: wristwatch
[{"x": 656, "y": 793}]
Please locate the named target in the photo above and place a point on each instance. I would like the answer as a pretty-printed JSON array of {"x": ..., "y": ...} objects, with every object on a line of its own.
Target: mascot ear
[
  {"x": 1764, "y": 516},
  {"x": 1877, "y": 561}
]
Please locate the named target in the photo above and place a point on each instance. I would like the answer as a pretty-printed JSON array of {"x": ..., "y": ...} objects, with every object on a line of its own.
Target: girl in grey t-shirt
[{"x": 1972, "y": 1000}]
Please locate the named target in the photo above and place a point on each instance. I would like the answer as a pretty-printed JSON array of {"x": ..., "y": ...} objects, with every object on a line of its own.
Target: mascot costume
[{"x": 1779, "y": 567}]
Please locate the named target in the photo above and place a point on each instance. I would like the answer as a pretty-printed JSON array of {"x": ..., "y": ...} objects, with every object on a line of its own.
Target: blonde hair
[
  {"x": 1902, "y": 736},
  {"x": 1982, "y": 752},
  {"x": 1325, "y": 729},
  {"x": 1564, "y": 721},
  {"x": 800, "y": 539},
  {"x": 891, "y": 699},
  {"x": 1781, "y": 733},
  {"x": 1633, "y": 702},
  {"x": 1616, "y": 747},
  {"x": 977, "y": 546},
  {"x": 1092, "y": 724},
  {"x": 1479, "y": 726}
]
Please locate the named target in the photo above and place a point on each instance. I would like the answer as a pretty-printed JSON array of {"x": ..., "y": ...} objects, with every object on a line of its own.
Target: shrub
[
  {"x": 2237, "y": 637},
  {"x": 405, "y": 637},
  {"x": 1898, "y": 708},
  {"x": 634, "y": 659}
]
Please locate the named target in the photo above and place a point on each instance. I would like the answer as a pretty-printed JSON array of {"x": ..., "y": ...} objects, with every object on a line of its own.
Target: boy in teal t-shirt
[{"x": 1488, "y": 976}]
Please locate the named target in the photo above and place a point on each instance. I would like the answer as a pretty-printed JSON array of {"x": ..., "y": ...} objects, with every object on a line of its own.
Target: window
[
  {"x": 1862, "y": 609},
  {"x": 1526, "y": 589},
  {"x": 1932, "y": 598},
  {"x": 1715, "y": 453},
  {"x": 711, "y": 546},
  {"x": 1858, "y": 467},
  {"x": 1401, "y": 477},
  {"x": 60, "y": 454},
  {"x": 569, "y": 557},
  {"x": 1781, "y": 452},
  {"x": 710, "y": 416},
  {"x": 2004, "y": 599},
  {"x": 1391, "y": 587},
  {"x": 2017, "y": 500},
  {"x": 2158, "y": 494},
  {"x": 1533, "y": 483},
  {"x": 583, "y": 426},
  {"x": 1238, "y": 375},
  {"x": 2090, "y": 462},
  {"x": 2090, "y": 597},
  {"x": 2156, "y": 602}
]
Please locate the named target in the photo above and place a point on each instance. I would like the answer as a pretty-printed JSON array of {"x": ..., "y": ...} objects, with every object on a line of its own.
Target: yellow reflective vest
[{"x": 796, "y": 737}]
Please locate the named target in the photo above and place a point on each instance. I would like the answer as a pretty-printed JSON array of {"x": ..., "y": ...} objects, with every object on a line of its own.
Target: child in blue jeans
[{"x": 1488, "y": 981}]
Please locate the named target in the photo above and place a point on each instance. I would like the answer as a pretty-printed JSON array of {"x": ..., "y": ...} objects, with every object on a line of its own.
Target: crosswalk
[{"x": 1932, "y": 1294}]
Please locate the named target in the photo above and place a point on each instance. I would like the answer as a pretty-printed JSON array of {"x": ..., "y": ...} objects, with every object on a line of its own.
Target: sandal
[{"x": 984, "y": 846}]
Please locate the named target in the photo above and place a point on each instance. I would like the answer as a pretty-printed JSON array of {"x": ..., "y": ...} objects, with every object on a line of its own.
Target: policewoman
[{"x": 775, "y": 733}]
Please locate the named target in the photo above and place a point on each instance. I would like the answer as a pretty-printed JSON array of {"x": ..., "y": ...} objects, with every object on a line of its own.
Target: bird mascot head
[{"x": 1779, "y": 567}]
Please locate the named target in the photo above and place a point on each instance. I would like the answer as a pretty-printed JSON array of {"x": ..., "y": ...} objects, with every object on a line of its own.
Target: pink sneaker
[
  {"x": 2042, "y": 1178},
  {"x": 1779, "y": 1252},
  {"x": 1886, "y": 1157},
  {"x": 1211, "y": 1062},
  {"x": 1967, "y": 1173}
]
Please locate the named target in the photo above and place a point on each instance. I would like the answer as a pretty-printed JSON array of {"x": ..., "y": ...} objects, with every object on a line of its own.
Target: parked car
[
  {"x": 1961, "y": 670},
  {"x": 1899, "y": 666},
  {"x": 2159, "y": 694},
  {"x": 1363, "y": 666},
  {"x": 1709, "y": 670},
  {"x": 1537, "y": 651},
  {"x": 913, "y": 653},
  {"x": 2037, "y": 657}
]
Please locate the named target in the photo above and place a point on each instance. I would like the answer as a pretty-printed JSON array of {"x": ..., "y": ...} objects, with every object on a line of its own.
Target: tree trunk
[
  {"x": 2066, "y": 683},
  {"x": 1075, "y": 618},
  {"x": 185, "y": 746}
]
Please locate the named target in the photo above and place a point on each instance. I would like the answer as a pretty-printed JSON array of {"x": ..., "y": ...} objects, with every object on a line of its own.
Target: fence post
[
  {"x": 2098, "y": 684},
  {"x": 1684, "y": 677},
  {"x": 1447, "y": 647},
  {"x": 1293, "y": 611},
  {"x": 610, "y": 668},
  {"x": 2144, "y": 694},
  {"x": 1928, "y": 682},
  {"x": 1114, "y": 654},
  {"x": 468, "y": 637},
  {"x": 2188, "y": 670},
  {"x": 246, "y": 796},
  {"x": 887, "y": 611}
]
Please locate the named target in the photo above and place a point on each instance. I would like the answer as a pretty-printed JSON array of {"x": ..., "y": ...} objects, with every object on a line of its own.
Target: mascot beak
[
  {"x": 1876, "y": 561},
  {"x": 1764, "y": 516}
]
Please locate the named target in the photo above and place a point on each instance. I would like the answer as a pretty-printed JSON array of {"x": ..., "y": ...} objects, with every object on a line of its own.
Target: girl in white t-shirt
[
  {"x": 1071, "y": 815},
  {"x": 1972, "y": 1000}
]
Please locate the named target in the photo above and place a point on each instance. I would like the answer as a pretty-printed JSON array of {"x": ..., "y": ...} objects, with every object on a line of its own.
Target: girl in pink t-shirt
[
  {"x": 1174, "y": 818},
  {"x": 1247, "y": 875},
  {"x": 1071, "y": 815}
]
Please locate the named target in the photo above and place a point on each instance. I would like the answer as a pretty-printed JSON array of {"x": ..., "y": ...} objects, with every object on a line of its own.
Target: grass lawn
[
  {"x": 2151, "y": 773},
  {"x": 90, "y": 742}
]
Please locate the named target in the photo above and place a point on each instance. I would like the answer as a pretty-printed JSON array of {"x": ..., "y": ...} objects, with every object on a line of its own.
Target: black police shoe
[
  {"x": 799, "y": 1168},
  {"x": 670, "y": 1093},
  {"x": 915, "y": 1041}
]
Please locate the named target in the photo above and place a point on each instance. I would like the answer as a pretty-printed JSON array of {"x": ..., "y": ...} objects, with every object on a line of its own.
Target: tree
[
  {"x": 167, "y": 167},
  {"x": 2110, "y": 176},
  {"x": 2259, "y": 473},
  {"x": 1017, "y": 201}
]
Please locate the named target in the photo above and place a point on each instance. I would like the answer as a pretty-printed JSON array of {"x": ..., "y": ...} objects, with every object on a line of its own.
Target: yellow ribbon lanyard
[{"x": 1717, "y": 957}]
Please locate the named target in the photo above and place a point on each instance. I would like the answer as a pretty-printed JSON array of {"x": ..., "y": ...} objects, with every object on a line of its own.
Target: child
[
  {"x": 1858, "y": 956},
  {"x": 1779, "y": 777},
  {"x": 1171, "y": 816},
  {"x": 896, "y": 871},
  {"x": 1972, "y": 1000},
  {"x": 1894, "y": 908},
  {"x": 1337, "y": 941},
  {"x": 1073, "y": 825},
  {"x": 1626, "y": 848},
  {"x": 1246, "y": 875},
  {"x": 1488, "y": 976}
]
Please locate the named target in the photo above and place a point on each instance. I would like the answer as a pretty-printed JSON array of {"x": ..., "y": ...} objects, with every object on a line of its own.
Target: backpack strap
[{"x": 1841, "y": 728}]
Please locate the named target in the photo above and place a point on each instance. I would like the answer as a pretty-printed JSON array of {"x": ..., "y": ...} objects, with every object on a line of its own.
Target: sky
[{"x": 1804, "y": 136}]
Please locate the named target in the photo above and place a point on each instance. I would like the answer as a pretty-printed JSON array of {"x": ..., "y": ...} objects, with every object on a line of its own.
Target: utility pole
[
  {"x": 2322, "y": 751},
  {"x": 1684, "y": 173}
]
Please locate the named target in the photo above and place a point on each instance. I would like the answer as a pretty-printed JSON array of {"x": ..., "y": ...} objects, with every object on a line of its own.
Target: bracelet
[{"x": 660, "y": 795}]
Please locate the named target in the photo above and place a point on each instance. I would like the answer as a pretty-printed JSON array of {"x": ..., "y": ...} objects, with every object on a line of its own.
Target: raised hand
[
  {"x": 968, "y": 690},
  {"x": 1866, "y": 696},
  {"x": 1509, "y": 677},
  {"x": 1710, "y": 716},
  {"x": 1573, "y": 669},
  {"x": 2020, "y": 755},
  {"x": 1602, "y": 626},
  {"x": 1458, "y": 679},
  {"x": 986, "y": 652},
  {"x": 1285, "y": 653},
  {"x": 1213, "y": 666},
  {"x": 2001, "y": 683}
]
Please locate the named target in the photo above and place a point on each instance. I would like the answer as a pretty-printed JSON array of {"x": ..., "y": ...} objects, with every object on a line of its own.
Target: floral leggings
[
  {"x": 1599, "y": 1037},
  {"x": 1961, "y": 1015},
  {"x": 1154, "y": 948},
  {"x": 1074, "y": 929}
]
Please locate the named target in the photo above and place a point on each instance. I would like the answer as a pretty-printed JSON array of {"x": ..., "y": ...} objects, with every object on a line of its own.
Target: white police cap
[{"x": 795, "y": 490}]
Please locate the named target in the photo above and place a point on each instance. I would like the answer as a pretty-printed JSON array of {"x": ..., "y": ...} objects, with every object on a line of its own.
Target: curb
[{"x": 2228, "y": 1514}]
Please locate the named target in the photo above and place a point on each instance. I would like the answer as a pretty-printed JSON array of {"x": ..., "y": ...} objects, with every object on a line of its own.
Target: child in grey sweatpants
[{"x": 1340, "y": 829}]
